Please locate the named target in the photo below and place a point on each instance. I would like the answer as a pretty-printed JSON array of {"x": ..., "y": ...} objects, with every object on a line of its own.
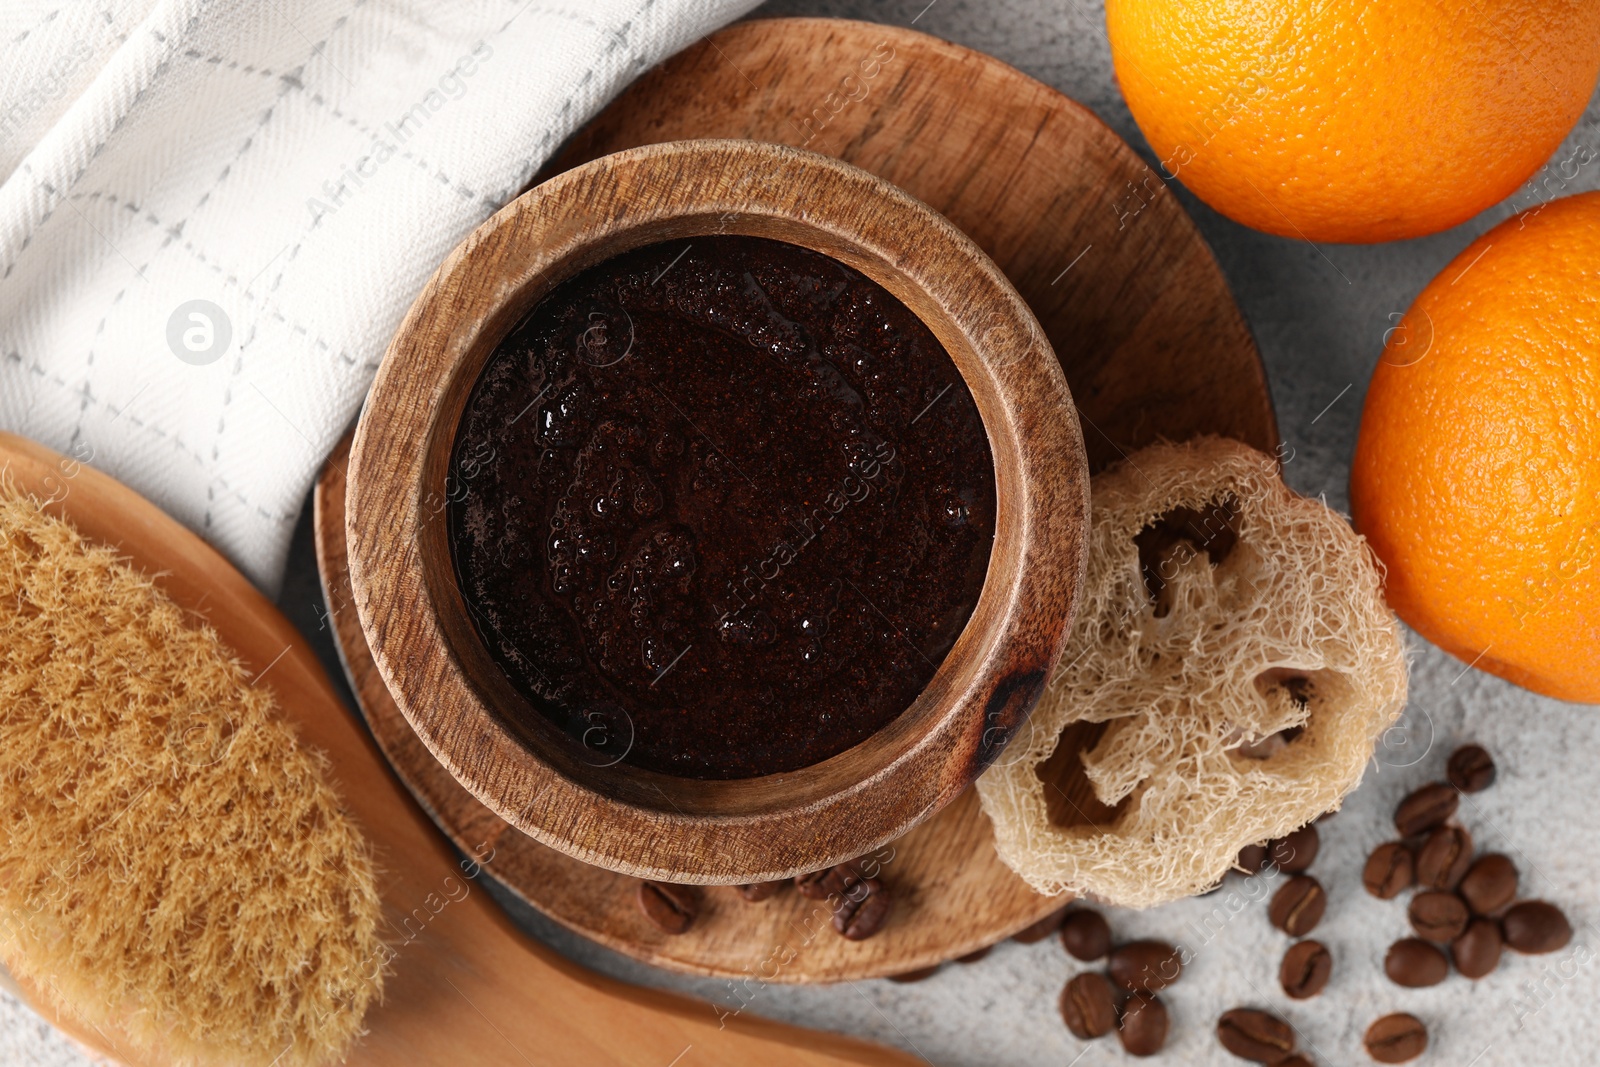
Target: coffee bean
[
  {"x": 1396, "y": 1038},
  {"x": 1438, "y": 915},
  {"x": 1477, "y": 952},
  {"x": 1306, "y": 969},
  {"x": 1255, "y": 1035},
  {"x": 809, "y": 884},
  {"x": 1489, "y": 884},
  {"x": 1089, "y": 1006},
  {"x": 1252, "y": 859},
  {"x": 1470, "y": 769},
  {"x": 862, "y": 910},
  {"x": 1085, "y": 934},
  {"x": 975, "y": 956},
  {"x": 1142, "y": 1025},
  {"x": 671, "y": 907},
  {"x": 1294, "y": 853},
  {"x": 756, "y": 892},
  {"x": 1444, "y": 857},
  {"x": 1428, "y": 807},
  {"x": 1389, "y": 870},
  {"x": 1296, "y": 1060},
  {"x": 1145, "y": 966},
  {"x": 1533, "y": 927},
  {"x": 1042, "y": 929},
  {"x": 915, "y": 976},
  {"x": 829, "y": 882},
  {"x": 1298, "y": 905},
  {"x": 1414, "y": 963}
]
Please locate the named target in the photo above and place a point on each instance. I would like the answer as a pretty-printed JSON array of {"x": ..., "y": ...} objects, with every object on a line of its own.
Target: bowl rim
[{"x": 653, "y": 825}]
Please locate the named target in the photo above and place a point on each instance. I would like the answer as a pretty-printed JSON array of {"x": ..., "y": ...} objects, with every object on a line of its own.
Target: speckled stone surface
[{"x": 1319, "y": 315}]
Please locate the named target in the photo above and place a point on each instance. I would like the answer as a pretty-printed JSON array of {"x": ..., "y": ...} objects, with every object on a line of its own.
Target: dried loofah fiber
[
  {"x": 1234, "y": 640},
  {"x": 175, "y": 867}
]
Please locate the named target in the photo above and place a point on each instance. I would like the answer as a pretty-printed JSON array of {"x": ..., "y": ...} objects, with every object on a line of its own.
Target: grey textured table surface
[{"x": 1319, "y": 315}]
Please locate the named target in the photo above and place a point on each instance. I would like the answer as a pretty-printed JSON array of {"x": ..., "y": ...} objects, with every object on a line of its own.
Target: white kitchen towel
[{"x": 214, "y": 214}]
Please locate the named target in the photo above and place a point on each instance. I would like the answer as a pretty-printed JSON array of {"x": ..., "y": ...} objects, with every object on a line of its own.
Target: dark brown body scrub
[{"x": 720, "y": 507}]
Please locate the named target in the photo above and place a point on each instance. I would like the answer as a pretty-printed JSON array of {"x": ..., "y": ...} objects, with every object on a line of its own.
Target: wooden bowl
[{"x": 649, "y": 824}]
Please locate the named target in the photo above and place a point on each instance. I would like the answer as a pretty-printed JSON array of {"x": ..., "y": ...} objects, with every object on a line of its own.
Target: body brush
[{"x": 176, "y": 869}]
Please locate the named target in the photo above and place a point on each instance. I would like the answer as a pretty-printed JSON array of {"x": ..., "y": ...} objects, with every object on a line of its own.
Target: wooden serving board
[
  {"x": 1125, "y": 288},
  {"x": 467, "y": 987}
]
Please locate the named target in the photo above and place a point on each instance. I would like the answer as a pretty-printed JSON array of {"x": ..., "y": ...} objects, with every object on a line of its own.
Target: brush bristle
[{"x": 175, "y": 867}]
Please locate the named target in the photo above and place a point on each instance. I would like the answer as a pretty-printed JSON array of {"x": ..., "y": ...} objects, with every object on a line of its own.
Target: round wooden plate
[{"x": 1133, "y": 303}]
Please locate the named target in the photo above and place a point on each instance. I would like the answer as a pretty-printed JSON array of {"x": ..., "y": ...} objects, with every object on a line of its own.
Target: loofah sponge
[
  {"x": 175, "y": 866},
  {"x": 1234, "y": 642}
]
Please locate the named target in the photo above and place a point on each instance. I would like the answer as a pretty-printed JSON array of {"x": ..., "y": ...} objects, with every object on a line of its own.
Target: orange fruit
[
  {"x": 1477, "y": 470},
  {"x": 1350, "y": 120}
]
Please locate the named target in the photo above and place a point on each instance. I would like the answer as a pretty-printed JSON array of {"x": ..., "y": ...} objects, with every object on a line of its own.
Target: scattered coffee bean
[
  {"x": 1089, "y": 1006},
  {"x": 1444, "y": 857},
  {"x": 756, "y": 892},
  {"x": 1438, "y": 915},
  {"x": 975, "y": 956},
  {"x": 1389, "y": 870},
  {"x": 1252, "y": 859},
  {"x": 1306, "y": 969},
  {"x": 1428, "y": 807},
  {"x": 1042, "y": 929},
  {"x": 1145, "y": 966},
  {"x": 1142, "y": 1025},
  {"x": 1396, "y": 1038},
  {"x": 1533, "y": 927},
  {"x": 1298, "y": 905},
  {"x": 1295, "y": 853},
  {"x": 828, "y": 882},
  {"x": 809, "y": 885},
  {"x": 1296, "y": 1060},
  {"x": 1489, "y": 884},
  {"x": 1255, "y": 1035},
  {"x": 1477, "y": 952},
  {"x": 1414, "y": 963},
  {"x": 862, "y": 910},
  {"x": 915, "y": 976},
  {"x": 671, "y": 907},
  {"x": 1470, "y": 769},
  {"x": 1085, "y": 934}
]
